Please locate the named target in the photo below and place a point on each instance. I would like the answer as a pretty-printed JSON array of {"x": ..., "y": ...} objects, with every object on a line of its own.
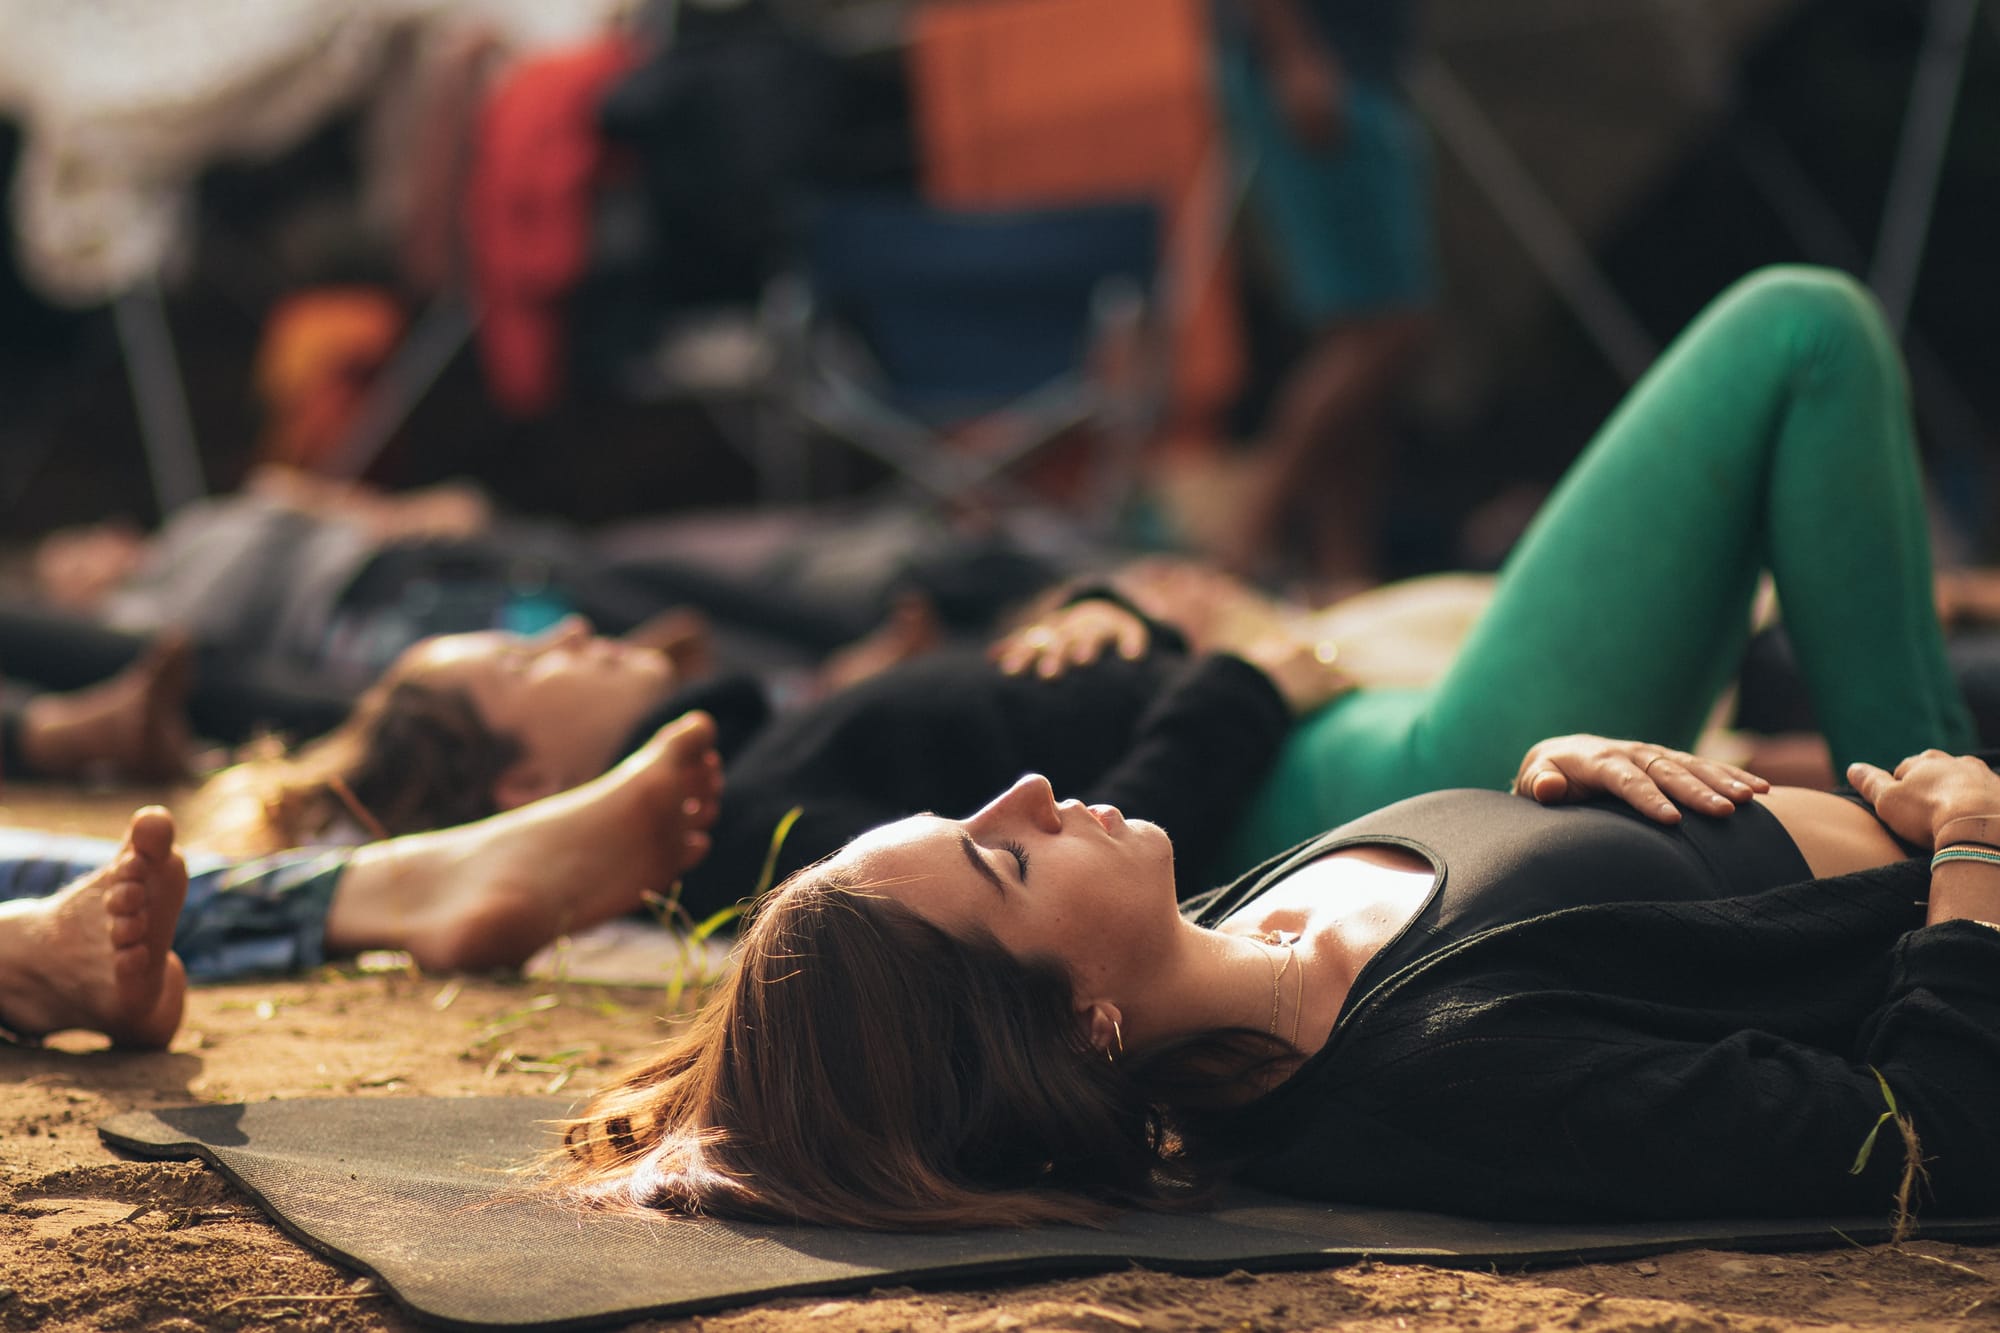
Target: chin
[{"x": 1159, "y": 844}]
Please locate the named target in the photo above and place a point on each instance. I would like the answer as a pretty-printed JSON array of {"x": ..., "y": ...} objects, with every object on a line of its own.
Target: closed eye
[{"x": 1020, "y": 855}]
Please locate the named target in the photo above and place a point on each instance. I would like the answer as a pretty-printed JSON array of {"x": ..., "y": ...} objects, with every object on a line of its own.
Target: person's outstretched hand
[
  {"x": 1074, "y": 635},
  {"x": 1649, "y": 778},
  {"x": 1928, "y": 791}
]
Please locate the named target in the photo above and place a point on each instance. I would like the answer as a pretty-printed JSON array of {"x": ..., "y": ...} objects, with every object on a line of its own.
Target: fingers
[
  {"x": 1084, "y": 648},
  {"x": 1075, "y": 637},
  {"x": 1870, "y": 782},
  {"x": 1706, "y": 785},
  {"x": 1903, "y": 769},
  {"x": 1655, "y": 781},
  {"x": 1728, "y": 778},
  {"x": 1017, "y": 652},
  {"x": 1548, "y": 786},
  {"x": 1132, "y": 638},
  {"x": 1077, "y": 649},
  {"x": 1631, "y": 780}
]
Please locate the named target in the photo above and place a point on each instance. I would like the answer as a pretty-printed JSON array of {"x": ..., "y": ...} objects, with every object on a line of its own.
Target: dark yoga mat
[{"x": 393, "y": 1186}]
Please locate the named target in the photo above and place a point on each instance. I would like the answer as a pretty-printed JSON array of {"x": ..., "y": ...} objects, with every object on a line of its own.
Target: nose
[{"x": 1030, "y": 800}]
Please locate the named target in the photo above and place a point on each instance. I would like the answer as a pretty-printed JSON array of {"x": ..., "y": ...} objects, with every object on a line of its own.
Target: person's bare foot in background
[
  {"x": 98, "y": 955},
  {"x": 131, "y": 728},
  {"x": 490, "y": 894}
]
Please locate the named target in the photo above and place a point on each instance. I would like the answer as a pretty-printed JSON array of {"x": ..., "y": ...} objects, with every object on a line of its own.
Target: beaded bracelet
[{"x": 1964, "y": 852}]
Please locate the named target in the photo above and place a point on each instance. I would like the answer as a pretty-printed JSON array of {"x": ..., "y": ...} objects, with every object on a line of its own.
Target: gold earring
[{"x": 1119, "y": 1033}]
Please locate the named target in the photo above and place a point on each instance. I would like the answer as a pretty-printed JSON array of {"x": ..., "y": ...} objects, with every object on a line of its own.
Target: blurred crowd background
[{"x": 611, "y": 261}]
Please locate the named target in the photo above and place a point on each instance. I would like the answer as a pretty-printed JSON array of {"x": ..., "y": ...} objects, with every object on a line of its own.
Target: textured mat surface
[{"x": 422, "y": 1193}]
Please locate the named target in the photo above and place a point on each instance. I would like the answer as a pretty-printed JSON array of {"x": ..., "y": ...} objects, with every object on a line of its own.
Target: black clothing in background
[
  {"x": 1177, "y": 740},
  {"x": 234, "y": 696}
]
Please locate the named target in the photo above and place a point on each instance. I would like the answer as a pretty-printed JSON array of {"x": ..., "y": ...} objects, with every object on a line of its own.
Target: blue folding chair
[{"x": 907, "y": 323}]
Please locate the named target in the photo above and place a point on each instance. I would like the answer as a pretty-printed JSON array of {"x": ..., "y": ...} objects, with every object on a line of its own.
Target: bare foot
[
  {"x": 489, "y": 894},
  {"x": 132, "y": 727},
  {"x": 99, "y": 954}
]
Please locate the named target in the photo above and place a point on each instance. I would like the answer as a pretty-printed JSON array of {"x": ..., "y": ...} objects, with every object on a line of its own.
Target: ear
[
  {"x": 1105, "y": 1026},
  {"x": 522, "y": 782}
]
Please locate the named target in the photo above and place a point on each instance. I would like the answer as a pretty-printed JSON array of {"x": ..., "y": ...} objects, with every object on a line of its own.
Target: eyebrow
[{"x": 986, "y": 873}]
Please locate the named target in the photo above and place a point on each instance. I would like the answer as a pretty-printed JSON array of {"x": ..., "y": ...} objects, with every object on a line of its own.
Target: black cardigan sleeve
[
  {"x": 1177, "y": 741},
  {"x": 1756, "y": 1123}
]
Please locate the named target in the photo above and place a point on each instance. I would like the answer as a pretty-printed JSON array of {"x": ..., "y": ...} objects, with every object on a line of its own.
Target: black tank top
[{"x": 1498, "y": 859}]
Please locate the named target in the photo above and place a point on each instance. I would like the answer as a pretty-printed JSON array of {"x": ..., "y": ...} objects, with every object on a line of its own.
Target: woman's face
[
  {"x": 570, "y": 697},
  {"x": 1076, "y": 884}
]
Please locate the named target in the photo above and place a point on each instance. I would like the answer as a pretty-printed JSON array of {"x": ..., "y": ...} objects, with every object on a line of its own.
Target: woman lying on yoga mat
[{"x": 1470, "y": 1002}]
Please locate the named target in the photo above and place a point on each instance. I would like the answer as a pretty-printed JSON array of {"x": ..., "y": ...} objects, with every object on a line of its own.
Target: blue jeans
[{"x": 242, "y": 918}]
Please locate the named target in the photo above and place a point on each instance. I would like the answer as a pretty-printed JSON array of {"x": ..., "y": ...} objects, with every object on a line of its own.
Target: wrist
[
  {"x": 1276, "y": 658},
  {"x": 1979, "y": 830}
]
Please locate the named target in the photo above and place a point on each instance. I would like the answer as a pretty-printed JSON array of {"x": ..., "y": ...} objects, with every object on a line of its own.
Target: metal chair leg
[{"x": 165, "y": 426}]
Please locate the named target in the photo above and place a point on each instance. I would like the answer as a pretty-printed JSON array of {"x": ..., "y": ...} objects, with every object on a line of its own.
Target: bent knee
[{"x": 1820, "y": 307}]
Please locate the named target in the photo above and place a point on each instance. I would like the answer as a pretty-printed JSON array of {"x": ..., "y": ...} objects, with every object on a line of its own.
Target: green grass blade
[{"x": 778, "y": 836}]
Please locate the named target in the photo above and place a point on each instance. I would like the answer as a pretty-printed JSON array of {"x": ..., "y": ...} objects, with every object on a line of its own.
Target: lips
[{"x": 1107, "y": 817}]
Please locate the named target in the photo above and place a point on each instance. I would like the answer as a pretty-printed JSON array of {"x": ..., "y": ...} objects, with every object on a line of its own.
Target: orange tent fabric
[
  {"x": 1025, "y": 102},
  {"x": 321, "y": 349}
]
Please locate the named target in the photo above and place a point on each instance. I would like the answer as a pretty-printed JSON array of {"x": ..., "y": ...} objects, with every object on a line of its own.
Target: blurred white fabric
[{"x": 124, "y": 102}]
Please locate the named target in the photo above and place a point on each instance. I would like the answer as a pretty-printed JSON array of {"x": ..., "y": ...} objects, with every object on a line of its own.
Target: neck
[{"x": 1221, "y": 979}]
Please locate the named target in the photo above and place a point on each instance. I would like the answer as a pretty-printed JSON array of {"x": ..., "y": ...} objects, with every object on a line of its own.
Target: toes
[
  {"x": 702, "y": 808},
  {"x": 130, "y": 963},
  {"x": 125, "y": 896},
  {"x": 690, "y": 735},
  {"x": 151, "y": 833},
  {"x": 152, "y": 1025},
  {"x": 130, "y": 927}
]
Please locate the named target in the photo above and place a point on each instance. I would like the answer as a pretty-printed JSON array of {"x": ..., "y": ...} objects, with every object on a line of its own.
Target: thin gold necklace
[{"x": 1288, "y": 940}]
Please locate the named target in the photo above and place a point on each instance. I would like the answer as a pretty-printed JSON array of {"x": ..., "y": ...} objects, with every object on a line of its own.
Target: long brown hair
[
  {"x": 861, "y": 1067},
  {"x": 409, "y": 758}
]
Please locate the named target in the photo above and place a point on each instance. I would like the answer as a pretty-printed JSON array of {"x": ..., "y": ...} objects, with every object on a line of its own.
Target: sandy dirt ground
[{"x": 92, "y": 1242}]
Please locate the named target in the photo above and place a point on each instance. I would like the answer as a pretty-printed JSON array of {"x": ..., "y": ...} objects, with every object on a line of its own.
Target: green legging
[{"x": 1774, "y": 434}]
